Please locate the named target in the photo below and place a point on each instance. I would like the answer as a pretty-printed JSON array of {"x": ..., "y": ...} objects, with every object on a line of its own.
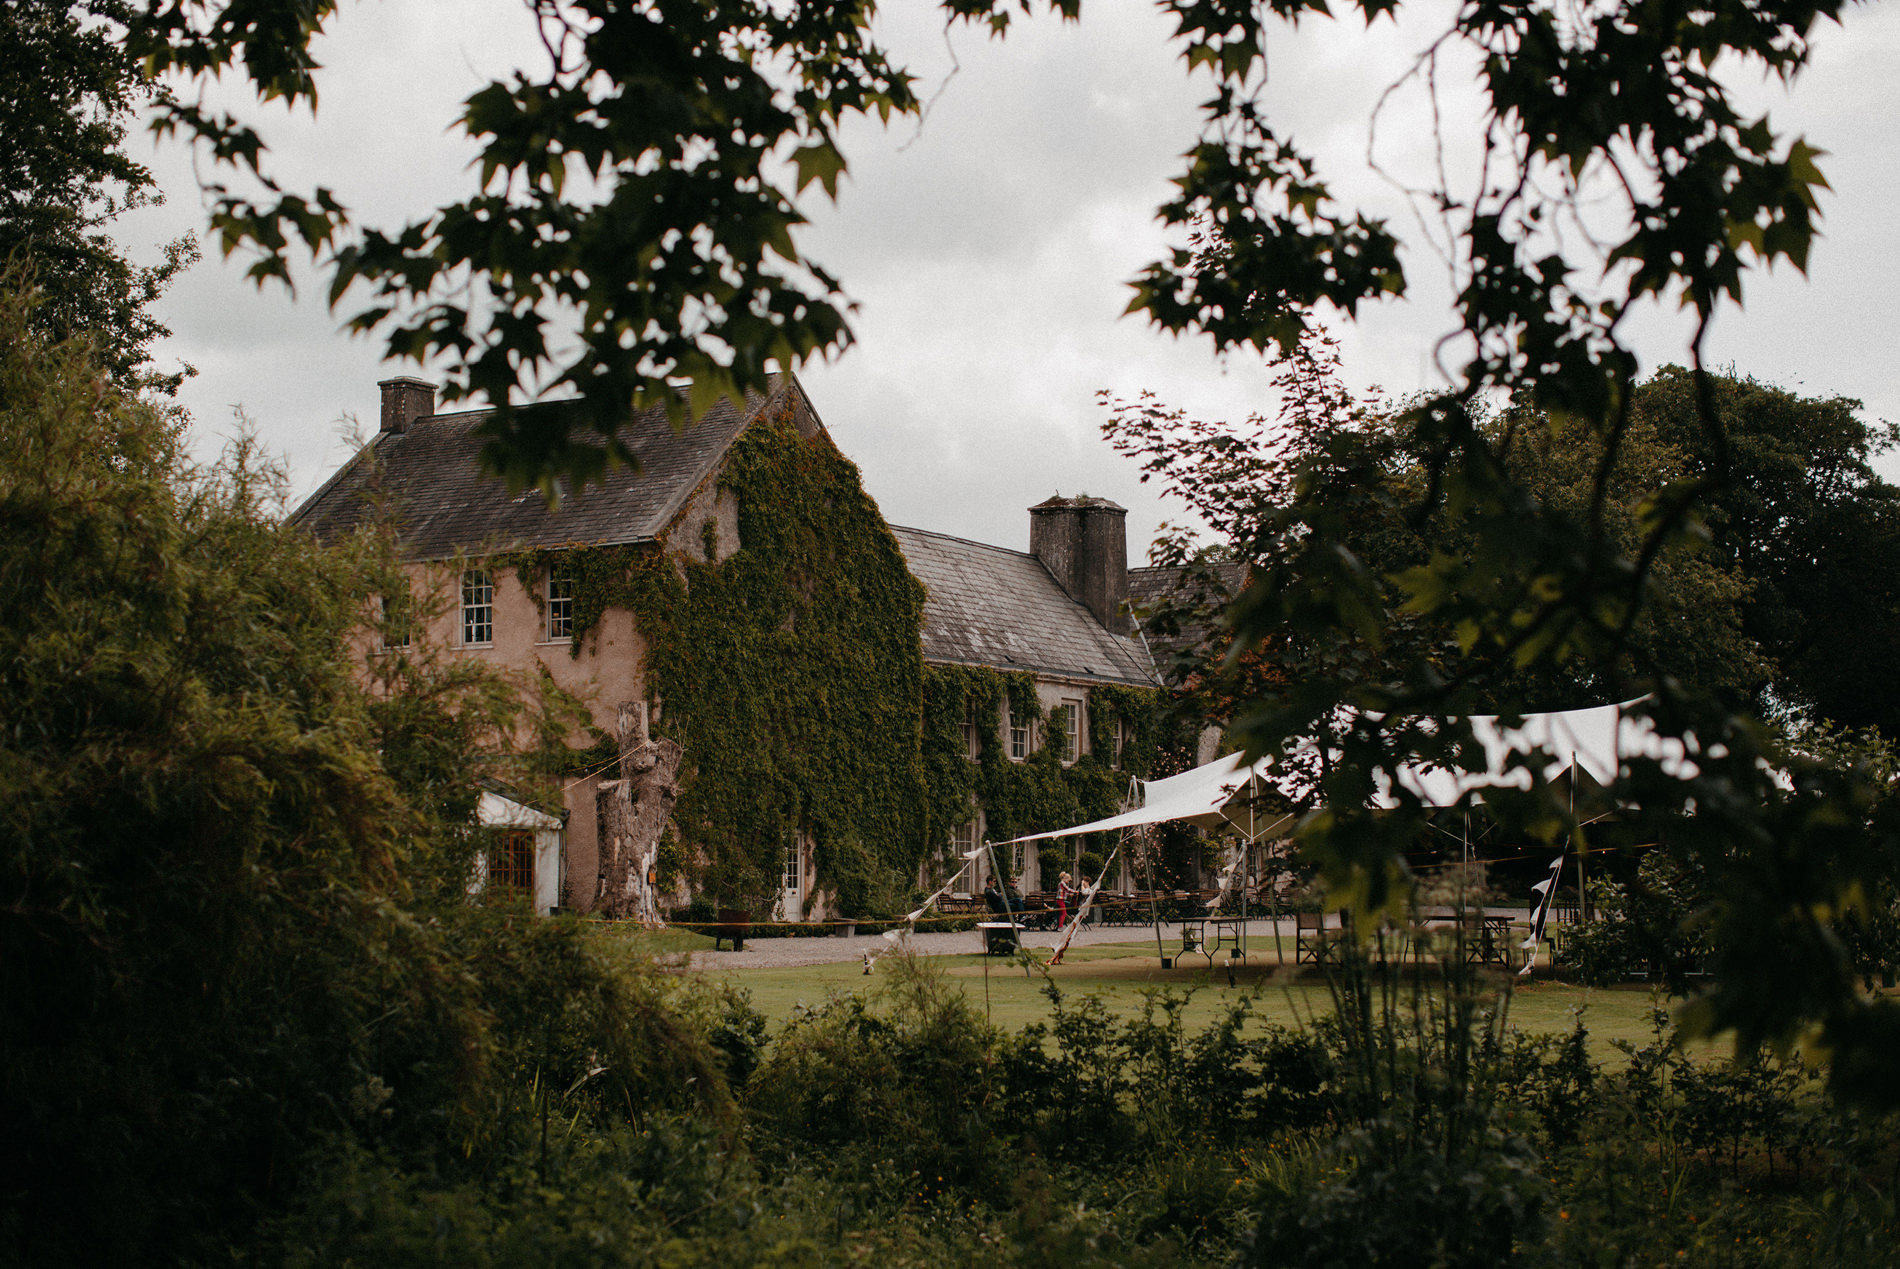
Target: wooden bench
[{"x": 734, "y": 924}]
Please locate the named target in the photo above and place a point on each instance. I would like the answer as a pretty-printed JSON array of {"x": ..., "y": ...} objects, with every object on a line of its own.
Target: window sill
[
  {"x": 474, "y": 647},
  {"x": 567, "y": 642}
]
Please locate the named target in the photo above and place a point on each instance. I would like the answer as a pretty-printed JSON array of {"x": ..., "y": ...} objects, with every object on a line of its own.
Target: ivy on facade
[
  {"x": 792, "y": 675},
  {"x": 1040, "y": 792}
]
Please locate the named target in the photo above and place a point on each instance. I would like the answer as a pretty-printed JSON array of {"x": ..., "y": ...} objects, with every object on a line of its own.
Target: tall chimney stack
[
  {"x": 1083, "y": 542},
  {"x": 404, "y": 401}
]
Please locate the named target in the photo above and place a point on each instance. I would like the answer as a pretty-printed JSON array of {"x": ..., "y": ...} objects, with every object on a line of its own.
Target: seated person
[
  {"x": 993, "y": 898},
  {"x": 1014, "y": 895}
]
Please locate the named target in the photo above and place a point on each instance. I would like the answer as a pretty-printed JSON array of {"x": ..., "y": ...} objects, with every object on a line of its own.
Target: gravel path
[{"x": 780, "y": 953}]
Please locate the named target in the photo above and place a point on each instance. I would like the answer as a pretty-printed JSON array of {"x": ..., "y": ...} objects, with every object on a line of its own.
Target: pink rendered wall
[{"x": 608, "y": 670}]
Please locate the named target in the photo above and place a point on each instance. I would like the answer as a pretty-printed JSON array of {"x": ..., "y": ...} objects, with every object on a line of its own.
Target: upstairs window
[
  {"x": 560, "y": 602},
  {"x": 1018, "y": 737},
  {"x": 478, "y": 606},
  {"x": 972, "y": 730},
  {"x": 1071, "y": 730},
  {"x": 392, "y": 618}
]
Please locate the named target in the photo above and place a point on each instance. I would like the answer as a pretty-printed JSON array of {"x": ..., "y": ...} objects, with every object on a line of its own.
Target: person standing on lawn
[{"x": 1063, "y": 893}]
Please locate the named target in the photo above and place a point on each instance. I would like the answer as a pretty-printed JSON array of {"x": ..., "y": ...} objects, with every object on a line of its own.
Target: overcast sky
[{"x": 988, "y": 249}]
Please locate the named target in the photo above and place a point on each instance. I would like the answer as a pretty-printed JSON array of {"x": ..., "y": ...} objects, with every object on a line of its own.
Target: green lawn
[{"x": 1124, "y": 975}]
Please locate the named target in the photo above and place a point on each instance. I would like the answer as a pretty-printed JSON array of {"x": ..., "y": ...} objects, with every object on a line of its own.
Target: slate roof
[
  {"x": 987, "y": 605},
  {"x": 1175, "y": 604},
  {"x": 445, "y": 505}
]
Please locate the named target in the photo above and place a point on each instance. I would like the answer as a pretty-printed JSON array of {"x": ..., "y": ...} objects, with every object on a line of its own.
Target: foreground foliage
[
  {"x": 234, "y": 932},
  {"x": 1409, "y": 1126}
]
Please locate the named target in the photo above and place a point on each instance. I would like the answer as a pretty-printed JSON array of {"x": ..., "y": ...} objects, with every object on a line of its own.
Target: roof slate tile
[
  {"x": 987, "y": 605},
  {"x": 444, "y": 504}
]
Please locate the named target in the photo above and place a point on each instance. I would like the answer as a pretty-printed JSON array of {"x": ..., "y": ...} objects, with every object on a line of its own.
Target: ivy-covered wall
[
  {"x": 791, "y": 673},
  {"x": 1038, "y": 793}
]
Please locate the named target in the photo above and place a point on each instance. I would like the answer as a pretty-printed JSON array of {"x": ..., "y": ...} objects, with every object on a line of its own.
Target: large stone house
[{"x": 742, "y": 585}]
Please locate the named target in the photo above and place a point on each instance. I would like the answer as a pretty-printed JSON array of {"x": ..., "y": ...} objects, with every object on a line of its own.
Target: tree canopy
[
  {"x": 67, "y": 91},
  {"x": 235, "y": 929},
  {"x": 1806, "y": 521}
]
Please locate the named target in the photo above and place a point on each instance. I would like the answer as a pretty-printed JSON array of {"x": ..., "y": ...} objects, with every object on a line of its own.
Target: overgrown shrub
[
  {"x": 1648, "y": 929},
  {"x": 235, "y": 939},
  {"x": 897, "y": 1088},
  {"x": 1361, "y": 1201}
]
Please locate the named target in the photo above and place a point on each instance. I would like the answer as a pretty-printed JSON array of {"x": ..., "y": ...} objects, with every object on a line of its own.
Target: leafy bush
[
  {"x": 896, "y": 1088},
  {"x": 1649, "y": 928},
  {"x": 236, "y": 940},
  {"x": 1361, "y": 1202}
]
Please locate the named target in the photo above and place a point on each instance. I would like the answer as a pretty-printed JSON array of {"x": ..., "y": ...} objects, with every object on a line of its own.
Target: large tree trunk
[{"x": 631, "y": 813}]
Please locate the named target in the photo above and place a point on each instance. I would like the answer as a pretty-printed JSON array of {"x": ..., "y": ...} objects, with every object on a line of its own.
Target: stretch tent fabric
[
  {"x": 1201, "y": 797},
  {"x": 1595, "y": 740}
]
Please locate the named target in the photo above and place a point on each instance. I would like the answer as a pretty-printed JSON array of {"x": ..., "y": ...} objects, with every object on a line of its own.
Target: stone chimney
[
  {"x": 1084, "y": 543},
  {"x": 404, "y": 401}
]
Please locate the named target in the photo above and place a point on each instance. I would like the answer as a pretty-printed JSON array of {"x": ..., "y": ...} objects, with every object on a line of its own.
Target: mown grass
[{"x": 1124, "y": 976}]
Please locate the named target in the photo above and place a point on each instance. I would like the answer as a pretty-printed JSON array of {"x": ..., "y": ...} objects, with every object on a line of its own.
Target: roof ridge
[{"x": 951, "y": 537}]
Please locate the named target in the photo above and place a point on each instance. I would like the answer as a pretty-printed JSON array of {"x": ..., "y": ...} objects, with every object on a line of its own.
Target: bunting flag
[
  {"x": 1545, "y": 889},
  {"x": 1227, "y": 876},
  {"x": 1082, "y": 906},
  {"x": 892, "y": 937}
]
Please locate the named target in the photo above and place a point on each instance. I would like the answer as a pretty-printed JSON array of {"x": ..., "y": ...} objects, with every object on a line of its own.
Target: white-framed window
[
  {"x": 560, "y": 601},
  {"x": 963, "y": 840},
  {"x": 1018, "y": 737},
  {"x": 392, "y": 620},
  {"x": 1121, "y": 738},
  {"x": 789, "y": 872},
  {"x": 1071, "y": 730},
  {"x": 478, "y": 606},
  {"x": 972, "y": 733}
]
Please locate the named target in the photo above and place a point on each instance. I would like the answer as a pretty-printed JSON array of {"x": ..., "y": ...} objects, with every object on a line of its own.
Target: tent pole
[
  {"x": 1015, "y": 927},
  {"x": 1154, "y": 910},
  {"x": 1246, "y": 864},
  {"x": 1583, "y": 895},
  {"x": 1273, "y": 895}
]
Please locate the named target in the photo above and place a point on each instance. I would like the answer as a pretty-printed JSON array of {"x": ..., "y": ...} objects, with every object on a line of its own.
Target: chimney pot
[{"x": 404, "y": 401}]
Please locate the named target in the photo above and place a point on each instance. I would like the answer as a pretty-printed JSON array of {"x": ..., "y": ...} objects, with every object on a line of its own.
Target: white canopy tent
[
  {"x": 1596, "y": 741},
  {"x": 1227, "y": 793},
  {"x": 1224, "y": 793},
  {"x": 1207, "y": 797}
]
